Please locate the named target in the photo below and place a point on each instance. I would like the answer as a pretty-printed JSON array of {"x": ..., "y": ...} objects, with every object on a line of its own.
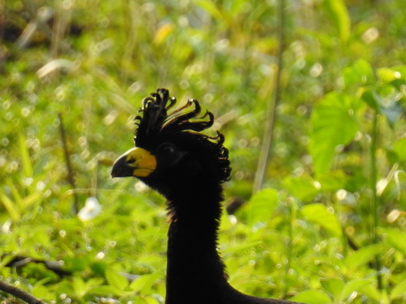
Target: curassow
[{"x": 188, "y": 168}]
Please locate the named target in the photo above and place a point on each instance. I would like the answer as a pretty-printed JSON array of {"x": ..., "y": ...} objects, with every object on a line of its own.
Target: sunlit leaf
[
  {"x": 362, "y": 256},
  {"x": 10, "y": 207},
  {"x": 396, "y": 239},
  {"x": 302, "y": 187},
  {"x": 262, "y": 205},
  {"x": 25, "y": 156},
  {"x": 211, "y": 8},
  {"x": 360, "y": 73},
  {"x": 388, "y": 75},
  {"x": 144, "y": 283},
  {"x": 105, "y": 290},
  {"x": 340, "y": 18},
  {"x": 399, "y": 290},
  {"x": 354, "y": 286},
  {"x": 116, "y": 280},
  {"x": 319, "y": 214},
  {"x": 332, "y": 124},
  {"x": 333, "y": 286},
  {"x": 312, "y": 297},
  {"x": 400, "y": 147},
  {"x": 16, "y": 195}
]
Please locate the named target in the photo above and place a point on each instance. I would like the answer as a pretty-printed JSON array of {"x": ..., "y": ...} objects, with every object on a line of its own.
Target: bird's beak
[{"x": 136, "y": 162}]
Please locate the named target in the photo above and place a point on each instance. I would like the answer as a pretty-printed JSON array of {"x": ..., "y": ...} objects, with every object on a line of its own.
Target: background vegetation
[{"x": 329, "y": 226}]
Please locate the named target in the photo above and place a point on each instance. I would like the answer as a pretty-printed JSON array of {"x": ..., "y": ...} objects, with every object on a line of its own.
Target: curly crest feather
[{"x": 155, "y": 124}]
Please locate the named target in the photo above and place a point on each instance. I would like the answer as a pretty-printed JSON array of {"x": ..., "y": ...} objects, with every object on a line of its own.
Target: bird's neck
[{"x": 194, "y": 269}]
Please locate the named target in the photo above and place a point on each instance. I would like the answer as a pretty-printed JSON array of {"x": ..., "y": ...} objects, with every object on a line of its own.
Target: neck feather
[{"x": 195, "y": 269}]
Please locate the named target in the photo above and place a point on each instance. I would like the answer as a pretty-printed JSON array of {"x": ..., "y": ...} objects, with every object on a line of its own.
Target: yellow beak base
[{"x": 136, "y": 162}]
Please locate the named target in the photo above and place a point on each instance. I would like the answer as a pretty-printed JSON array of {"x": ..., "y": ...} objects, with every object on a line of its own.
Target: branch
[
  {"x": 21, "y": 294},
  {"x": 272, "y": 110}
]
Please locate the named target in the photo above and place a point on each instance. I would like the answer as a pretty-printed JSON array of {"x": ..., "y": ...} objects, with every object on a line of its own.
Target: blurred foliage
[{"x": 309, "y": 235}]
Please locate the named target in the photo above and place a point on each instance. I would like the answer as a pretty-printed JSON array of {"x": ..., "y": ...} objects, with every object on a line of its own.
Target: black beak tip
[{"x": 120, "y": 168}]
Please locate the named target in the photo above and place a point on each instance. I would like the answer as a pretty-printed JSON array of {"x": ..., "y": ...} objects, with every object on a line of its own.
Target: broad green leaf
[
  {"x": 374, "y": 294},
  {"x": 302, "y": 187},
  {"x": 340, "y": 18},
  {"x": 332, "y": 124},
  {"x": 144, "y": 283},
  {"x": 399, "y": 290},
  {"x": 319, "y": 214},
  {"x": 362, "y": 256},
  {"x": 400, "y": 147},
  {"x": 332, "y": 181},
  {"x": 397, "y": 239},
  {"x": 360, "y": 73},
  {"x": 354, "y": 285},
  {"x": 312, "y": 297},
  {"x": 262, "y": 206},
  {"x": 42, "y": 292},
  {"x": 333, "y": 286},
  {"x": 105, "y": 290},
  {"x": 388, "y": 75},
  {"x": 116, "y": 280}
]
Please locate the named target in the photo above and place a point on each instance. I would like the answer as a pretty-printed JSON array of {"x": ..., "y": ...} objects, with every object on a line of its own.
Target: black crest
[{"x": 156, "y": 124}]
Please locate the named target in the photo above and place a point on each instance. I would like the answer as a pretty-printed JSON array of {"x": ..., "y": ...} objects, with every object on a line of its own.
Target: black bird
[{"x": 188, "y": 168}]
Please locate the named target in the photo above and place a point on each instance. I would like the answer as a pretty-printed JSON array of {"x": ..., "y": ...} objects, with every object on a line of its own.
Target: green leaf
[
  {"x": 399, "y": 290},
  {"x": 302, "y": 187},
  {"x": 372, "y": 99},
  {"x": 25, "y": 156},
  {"x": 332, "y": 124},
  {"x": 42, "y": 292},
  {"x": 388, "y": 75},
  {"x": 332, "y": 181},
  {"x": 362, "y": 256},
  {"x": 312, "y": 297},
  {"x": 319, "y": 214},
  {"x": 392, "y": 112},
  {"x": 354, "y": 285},
  {"x": 210, "y": 8},
  {"x": 340, "y": 18},
  {"x": 144, "y": 283},
  {"x": 11, "y": 208},
  {"x": 400, "y": 147},
  {"x": 360, "y": 73},
  {"x": 116, "y": 280},
  {"x": 333, "y": 286},
  {"x": 105, "y": 290},
  {"x": 262, "y": 206},
  {"x": 396, "y": 239}
]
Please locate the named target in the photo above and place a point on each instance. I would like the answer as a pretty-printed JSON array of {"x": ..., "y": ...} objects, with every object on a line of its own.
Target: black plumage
[{"x": 188, "y": 168}]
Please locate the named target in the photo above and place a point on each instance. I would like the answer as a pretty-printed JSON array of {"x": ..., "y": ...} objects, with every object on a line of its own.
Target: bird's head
[{"x": 170, "y": 152}]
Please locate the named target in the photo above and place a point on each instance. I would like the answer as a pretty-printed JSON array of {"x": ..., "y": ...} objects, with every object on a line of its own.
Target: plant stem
[
  {"x": 71, "y": 178},
  {"x": 375, "y": 199},
  {"x": 271, "y": 115}
]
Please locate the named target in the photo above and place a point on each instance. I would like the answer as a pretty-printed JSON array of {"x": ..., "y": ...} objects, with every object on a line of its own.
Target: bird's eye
[{"x": 167, "y": 149}]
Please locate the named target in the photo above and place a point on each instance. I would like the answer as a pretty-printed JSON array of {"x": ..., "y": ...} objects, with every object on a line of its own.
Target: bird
[{"x": 175, "y": 158}]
